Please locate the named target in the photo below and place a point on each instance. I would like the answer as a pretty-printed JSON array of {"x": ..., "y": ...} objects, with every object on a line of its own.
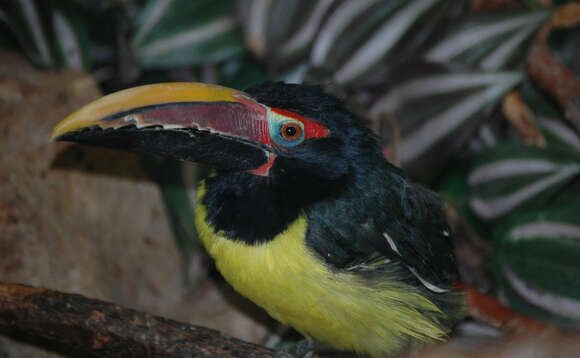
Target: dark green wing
[
  {"x": 419, "y": 236},
  {"x": 396, "y": 221}
]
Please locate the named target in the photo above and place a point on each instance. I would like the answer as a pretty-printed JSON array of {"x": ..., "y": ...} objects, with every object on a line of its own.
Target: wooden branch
[{"x": 78, "y": 326}]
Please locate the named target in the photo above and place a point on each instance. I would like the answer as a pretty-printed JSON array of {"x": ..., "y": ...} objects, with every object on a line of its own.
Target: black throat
[{"x": 254, "y": 209}]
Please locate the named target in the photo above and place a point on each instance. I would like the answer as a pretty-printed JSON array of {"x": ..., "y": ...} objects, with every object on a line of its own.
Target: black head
[
  {"x": 278, "y": 147},
  {"x": 350, "y": 144}
]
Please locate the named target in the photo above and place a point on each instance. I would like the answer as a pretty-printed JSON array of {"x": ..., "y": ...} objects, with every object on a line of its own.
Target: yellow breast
[{"x": 284, "y": 277}]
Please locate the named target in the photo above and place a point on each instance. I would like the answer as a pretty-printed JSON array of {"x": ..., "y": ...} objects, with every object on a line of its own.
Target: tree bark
[{"x": 74, "y": 325}]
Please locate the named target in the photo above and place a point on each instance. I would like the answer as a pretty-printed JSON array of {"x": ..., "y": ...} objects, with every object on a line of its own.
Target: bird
[{"x": 302, "y": 213}]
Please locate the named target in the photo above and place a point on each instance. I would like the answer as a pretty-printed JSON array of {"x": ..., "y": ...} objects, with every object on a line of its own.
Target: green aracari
[{"x": 303, "y": 214}]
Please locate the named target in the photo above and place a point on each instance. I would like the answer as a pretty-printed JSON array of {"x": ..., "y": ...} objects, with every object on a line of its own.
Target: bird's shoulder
[{"x": 397, "y": 227}]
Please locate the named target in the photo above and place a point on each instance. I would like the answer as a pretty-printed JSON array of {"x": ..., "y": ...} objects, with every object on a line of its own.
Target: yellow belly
[{"x": 286, "y": 279}]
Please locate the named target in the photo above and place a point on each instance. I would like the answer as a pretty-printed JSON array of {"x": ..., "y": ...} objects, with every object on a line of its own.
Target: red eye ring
[{"x": 291, "y": 131}]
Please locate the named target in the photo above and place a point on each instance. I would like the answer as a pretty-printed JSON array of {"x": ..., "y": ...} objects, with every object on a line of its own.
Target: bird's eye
[
  {"x": 287, "y": 129},
  {"x": 287, "y": 133},
  {"x": 291, "y": 131}
]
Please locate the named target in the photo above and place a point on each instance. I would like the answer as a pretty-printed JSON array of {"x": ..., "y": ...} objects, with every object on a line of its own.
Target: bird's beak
[{"x": 204, "y": 123}]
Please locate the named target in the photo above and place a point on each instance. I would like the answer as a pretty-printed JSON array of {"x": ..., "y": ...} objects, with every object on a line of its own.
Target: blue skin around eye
[{"x": 275, "y": 128}]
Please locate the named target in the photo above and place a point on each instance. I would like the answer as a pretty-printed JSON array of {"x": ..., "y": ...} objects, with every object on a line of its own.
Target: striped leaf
[
  {"x": 538, "y": 262},
  {"x": 71, "y": 38},
  {"x": 173, "y": 33},
  {"x": 359, "y": 35},
  {"x": 50, "y": 35},
  {"x": 510, "y": 176},
  {"x": 487, "y": 136},
  {"x": 173, "y": 185},
  {"x": 26, "y": 23},
  {"x": 490, "y": 42},
  {"x": 558, "y": 132},
  {"x": 279, "y": 32},
  {"x": 435, "y": 111},
  {"x": 563, "y": 44},
  {"x": 240, "y": 73},
  {"x": 295, "y": 74},
  {"x": 555, "y": 128}
]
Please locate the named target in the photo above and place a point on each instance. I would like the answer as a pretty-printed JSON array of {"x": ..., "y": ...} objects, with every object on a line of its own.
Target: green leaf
[
  {"x": 295, "y": 74},
  {"x": 358, "y": 36},
  {"x": 563, "y": 43},
  {"x": 26, "y": 23},
  {"x": 241, "y": 73},
  {"x": 436, "y": 109},
  {"x": 512, "y": 175},
  {"x": 517, "y": 302},
  {"x": 538, "y": 260},
  {"x": 558, "y": 132},
  {"x": 168, "y": 174},
  {"x": 71, "y": 38},
  {"x": 550, "y": 119},
  {"x": 280, "y": 32},
  {"x": 182, "y": 32},
  {"x": 455, "y": 190},
  {"x": 490, "y": 42},
  {"x": 541, "y": 104}
]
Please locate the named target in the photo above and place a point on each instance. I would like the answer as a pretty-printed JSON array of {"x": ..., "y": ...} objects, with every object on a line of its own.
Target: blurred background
[{"x": 477, "y": 99}]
